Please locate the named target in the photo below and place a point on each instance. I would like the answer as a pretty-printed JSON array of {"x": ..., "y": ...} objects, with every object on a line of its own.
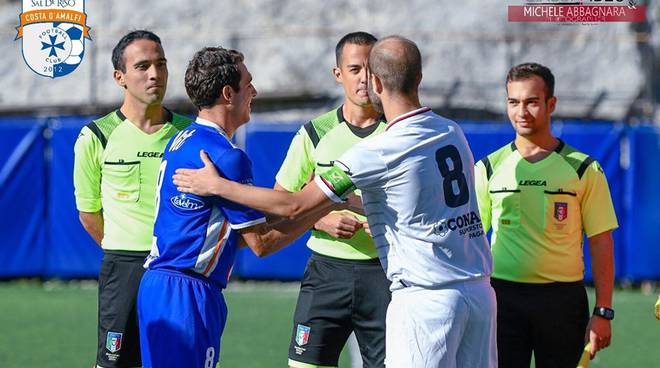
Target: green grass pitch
[{"x": 53, "y": 325}]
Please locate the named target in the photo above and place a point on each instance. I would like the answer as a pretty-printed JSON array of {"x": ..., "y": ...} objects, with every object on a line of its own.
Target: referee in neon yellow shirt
[{"x": 540, "y": 195}]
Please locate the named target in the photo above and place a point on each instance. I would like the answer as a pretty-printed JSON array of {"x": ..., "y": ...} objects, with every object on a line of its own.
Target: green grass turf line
[
  {"x": 54, "y": 324},
  {"x": 47, "y": 326},
  {"x": 635, "y": 332}
]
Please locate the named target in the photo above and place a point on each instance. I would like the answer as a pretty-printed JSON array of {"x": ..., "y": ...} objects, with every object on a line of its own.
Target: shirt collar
[
  {"x": 213, "y": 125},
  {"x": 407, "y": 115}
]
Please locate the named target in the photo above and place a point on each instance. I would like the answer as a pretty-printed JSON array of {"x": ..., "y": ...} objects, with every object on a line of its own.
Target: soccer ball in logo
[
  {"x": 75, "y": 34},
  {"x": 441, "y": 228},
  {"x": 77, "y": 49}
]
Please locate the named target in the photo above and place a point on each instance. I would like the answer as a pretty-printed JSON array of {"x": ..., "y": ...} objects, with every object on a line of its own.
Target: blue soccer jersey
[{"x": 193, "y": 233}]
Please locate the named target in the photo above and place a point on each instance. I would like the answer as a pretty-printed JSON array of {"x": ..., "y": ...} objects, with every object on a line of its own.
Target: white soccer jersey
[{"x": 418, "y": 193}]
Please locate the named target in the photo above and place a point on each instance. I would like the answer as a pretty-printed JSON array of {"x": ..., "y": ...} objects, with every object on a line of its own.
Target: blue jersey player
[{"x": 180, "y": 306}]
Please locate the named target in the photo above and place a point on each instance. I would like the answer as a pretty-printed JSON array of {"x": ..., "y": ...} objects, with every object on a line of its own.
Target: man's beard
[{"x": 375, "y": 100}]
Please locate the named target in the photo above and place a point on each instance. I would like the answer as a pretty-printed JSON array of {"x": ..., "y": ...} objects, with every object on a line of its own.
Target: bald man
[{"x": 418, "y": 194}]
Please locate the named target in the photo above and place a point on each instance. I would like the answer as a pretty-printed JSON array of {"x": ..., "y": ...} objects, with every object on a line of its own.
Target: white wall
[{"x": 289, "y": 48}]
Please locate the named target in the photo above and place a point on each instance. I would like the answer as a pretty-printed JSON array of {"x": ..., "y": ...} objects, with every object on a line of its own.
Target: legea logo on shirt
[{"x": 186, "y": 203}]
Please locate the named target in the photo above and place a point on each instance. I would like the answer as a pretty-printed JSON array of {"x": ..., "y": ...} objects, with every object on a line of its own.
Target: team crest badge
[
  {"x": 113, "y": 341},
  {"x": 561, "y": 211},
  {"x": 302, "y": 334},
  {"x": 53, "y": 35}
]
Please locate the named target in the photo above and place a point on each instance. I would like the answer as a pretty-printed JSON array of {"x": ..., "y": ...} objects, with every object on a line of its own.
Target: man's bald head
[{"x": 397, "y": 62}]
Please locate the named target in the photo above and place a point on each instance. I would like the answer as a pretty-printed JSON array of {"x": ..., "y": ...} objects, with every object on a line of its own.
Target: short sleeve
[
  {"x": 298, "y": 166},
  {"x": 88, "y": 153},
  {"x": 483, "y": 196},
  {"x": 235, "y": 165},
  {"x": 597, "y": 209}
]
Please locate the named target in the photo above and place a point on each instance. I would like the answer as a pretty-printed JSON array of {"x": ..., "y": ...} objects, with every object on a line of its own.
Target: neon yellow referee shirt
[
  {"x": 312, "y": 152},
  {"x": 539, "y": 212},
  {"x": 115, "y": 169}
]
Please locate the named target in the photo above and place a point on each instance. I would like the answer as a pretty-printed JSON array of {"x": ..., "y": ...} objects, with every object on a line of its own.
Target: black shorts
[
  {"x": 548, "y": 319},
  {"x": 118, "y": 333},
  {"x": 336, "y": 298}
]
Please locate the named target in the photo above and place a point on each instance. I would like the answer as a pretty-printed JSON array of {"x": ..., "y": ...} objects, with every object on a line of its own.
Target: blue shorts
[{"x": 181, "y": 319}]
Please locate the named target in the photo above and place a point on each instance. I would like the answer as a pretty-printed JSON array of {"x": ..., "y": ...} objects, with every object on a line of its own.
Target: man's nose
[{"x": 154, "y": 71}]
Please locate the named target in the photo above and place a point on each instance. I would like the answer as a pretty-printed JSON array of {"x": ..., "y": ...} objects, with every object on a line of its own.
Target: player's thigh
[
  {"x": 322, "y": 319},
  {"x": 371, "y": 298},
  {"x": 424, "y": 327},
  {"x": 181, "y": 321},
  {"x": 560, "y": 325},
  {"x": 478, "y": 347}
]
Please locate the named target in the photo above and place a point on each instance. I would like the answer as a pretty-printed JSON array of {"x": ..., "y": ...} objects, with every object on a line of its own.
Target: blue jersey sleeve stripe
[
  {"x": 215, "y": 232},
  {"x": 219, "y": 245}
]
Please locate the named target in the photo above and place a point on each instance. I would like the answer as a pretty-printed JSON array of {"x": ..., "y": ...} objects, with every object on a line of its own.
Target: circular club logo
[{"x": 53, "y": 33}]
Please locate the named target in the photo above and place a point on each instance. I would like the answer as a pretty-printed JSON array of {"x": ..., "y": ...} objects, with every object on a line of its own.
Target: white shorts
[{"x": 450, "y": 327}]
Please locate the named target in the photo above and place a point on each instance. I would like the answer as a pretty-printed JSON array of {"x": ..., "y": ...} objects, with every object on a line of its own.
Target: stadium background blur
[{"x": 608, "y": 87}]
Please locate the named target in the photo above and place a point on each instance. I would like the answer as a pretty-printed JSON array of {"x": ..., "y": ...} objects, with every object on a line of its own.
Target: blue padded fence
[{"x": 43, "y": 237}]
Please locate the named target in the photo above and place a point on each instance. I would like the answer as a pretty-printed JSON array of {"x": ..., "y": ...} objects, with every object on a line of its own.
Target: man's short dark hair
[
  {"x": 399, "y": 69},
  {"x": 209, "y": 71},
  {"x": 355, "y": 38},
  {"x": 528, "y": 70},
  {"x": 118, "y": 61}
]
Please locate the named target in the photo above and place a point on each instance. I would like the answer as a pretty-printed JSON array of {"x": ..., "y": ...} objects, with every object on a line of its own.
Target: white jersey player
[
  {"x": 418, "y": 194},
  {"x": 417, "y": 190}
]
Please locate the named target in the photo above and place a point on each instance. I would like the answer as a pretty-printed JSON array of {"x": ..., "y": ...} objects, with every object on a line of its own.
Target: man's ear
[
  {"x": 552, "y": 103},
  {"x": 227, "y": 93},
  {"x": 336, "y": 72},
  {"x": 376, "y": 84},
  {"x": 118, "y": 76}
]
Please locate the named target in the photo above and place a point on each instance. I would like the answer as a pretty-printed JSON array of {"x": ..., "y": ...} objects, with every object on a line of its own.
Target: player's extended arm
[
  {"x": 206, "y": 182},
  {"x": 268, "y": 238},
  {"x": 601, "y": 249},
  {"x": 93, "y": 223},
  {"x": 341, "y": 225}
]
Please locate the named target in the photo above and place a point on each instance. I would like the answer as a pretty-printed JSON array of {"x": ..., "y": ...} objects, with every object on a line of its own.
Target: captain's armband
[{"x": 336, "y": 184}]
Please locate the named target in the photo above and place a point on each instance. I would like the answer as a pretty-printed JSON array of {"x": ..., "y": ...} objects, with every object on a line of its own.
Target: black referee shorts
[
  {"x": 548, "y": 319},
  {"x": 118, "y": 333},
  {"x": 338, "y": 297}
]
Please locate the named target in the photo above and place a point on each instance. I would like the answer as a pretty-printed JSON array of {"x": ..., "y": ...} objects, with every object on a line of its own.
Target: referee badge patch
[
  {"x": 561, "y": 211},
  {"x": 113, "y": 341},
  {"x": 302, "y": 334}
]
